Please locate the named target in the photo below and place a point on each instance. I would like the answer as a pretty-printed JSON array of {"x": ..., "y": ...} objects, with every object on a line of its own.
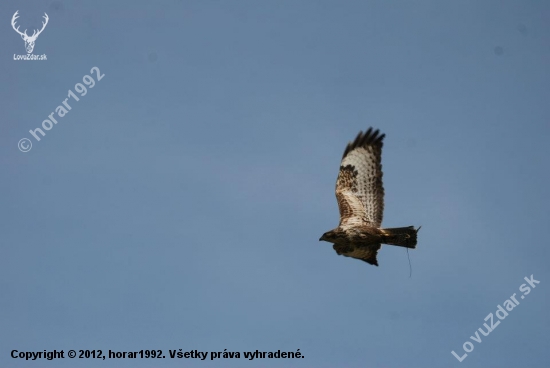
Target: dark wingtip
[
  {"x": 369, "y": 138},
  {"x": 373, "y": 261}
]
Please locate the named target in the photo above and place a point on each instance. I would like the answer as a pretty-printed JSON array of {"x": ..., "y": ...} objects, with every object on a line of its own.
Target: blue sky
[{"x": 179, "y": 203}]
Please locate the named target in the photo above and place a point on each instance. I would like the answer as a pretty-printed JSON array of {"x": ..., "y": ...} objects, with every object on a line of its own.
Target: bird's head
[{"x": 329, "y": 236}]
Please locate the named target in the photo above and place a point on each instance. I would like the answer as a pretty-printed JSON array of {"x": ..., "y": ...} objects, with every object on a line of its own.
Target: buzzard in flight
[{"x": 360, "y": 197}]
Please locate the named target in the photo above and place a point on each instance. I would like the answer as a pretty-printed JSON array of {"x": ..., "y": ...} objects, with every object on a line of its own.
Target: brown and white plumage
[
  {"x": 360, "y": 196},
  {"x": 359, "y": 189}
]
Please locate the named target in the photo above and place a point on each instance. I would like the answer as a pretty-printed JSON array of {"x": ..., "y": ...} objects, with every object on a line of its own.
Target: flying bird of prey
[{"x": 360, "y": 197}]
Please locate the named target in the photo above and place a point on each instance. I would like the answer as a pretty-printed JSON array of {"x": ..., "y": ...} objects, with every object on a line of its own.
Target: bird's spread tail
[{"x": 401, "y": 236}]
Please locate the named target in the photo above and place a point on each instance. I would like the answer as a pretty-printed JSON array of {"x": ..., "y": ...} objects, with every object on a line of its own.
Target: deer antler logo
[{"x": 29, "y": 40}]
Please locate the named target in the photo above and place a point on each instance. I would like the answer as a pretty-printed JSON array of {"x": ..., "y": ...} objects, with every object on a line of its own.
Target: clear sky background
[{"x": 179, "y": 204}]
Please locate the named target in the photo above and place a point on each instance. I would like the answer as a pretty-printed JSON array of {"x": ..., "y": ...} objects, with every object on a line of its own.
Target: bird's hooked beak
[{"x": 322, "y": 237}]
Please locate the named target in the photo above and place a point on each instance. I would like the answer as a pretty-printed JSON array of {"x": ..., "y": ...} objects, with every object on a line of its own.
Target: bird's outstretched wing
[
  {"x": 359, "y": 189},
  {"x": 365, "y": 253}
]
